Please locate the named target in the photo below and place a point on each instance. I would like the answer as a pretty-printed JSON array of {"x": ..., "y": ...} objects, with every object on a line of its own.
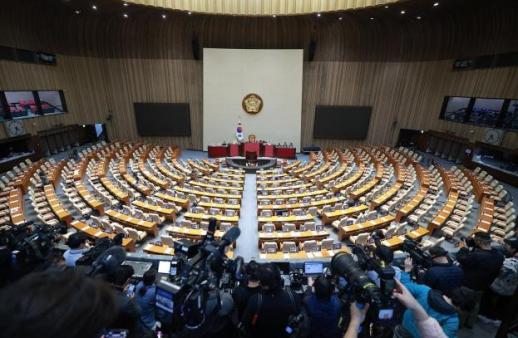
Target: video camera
[
  {"x": 27, "y": 246},
  {"x": 422, "y": 260},
  {"x": 193, "y": 298}
]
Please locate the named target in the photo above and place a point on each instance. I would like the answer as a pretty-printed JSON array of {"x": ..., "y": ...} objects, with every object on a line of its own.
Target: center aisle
[{"x": 249, "y": 238}]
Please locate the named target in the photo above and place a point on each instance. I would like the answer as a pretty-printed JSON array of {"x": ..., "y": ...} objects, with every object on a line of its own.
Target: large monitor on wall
[
  {"x": 511, "y": 116},
  {"x": 485, "y": 112},
  {"x": 455, "y": 108},
  {"x": 21, "y": 104},
  {"x": 52, "y": 101},
  {"x": 162, "y": 119},
  {"x": 342, "y": 122}
]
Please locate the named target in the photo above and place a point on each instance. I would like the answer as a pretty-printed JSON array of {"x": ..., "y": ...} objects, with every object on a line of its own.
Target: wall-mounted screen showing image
[
  {"x": 455, "y": 108},
  {"x": 52, "y": 101},
  {"x": 485, "y": 112},
  {"x": 21, "y": 104},
  {"x": 511, "y": 116}
]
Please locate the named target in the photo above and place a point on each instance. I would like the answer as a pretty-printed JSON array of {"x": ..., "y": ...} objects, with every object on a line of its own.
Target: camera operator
[
  {"x": 145, "y": 293},
  {"x": 358, "y": 315},
  {"x": 77, "y": 242},
  {"x": 387, "y": 257},
  {"x": 443, "y": 275},
  {"x": 481, "y": 264},
  {"x": 323, "y": 308},
  {"x": 128, "y": 313},
  {"x": 497, "y": 302},
  {"x": 56, "y": 304},
  {"x": 247, "y": 288},
  {"x": 268, "y": 312},
  {"x": 444, "y": 308}
]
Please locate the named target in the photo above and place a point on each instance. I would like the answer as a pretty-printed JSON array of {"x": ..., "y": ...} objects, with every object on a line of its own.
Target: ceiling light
[
  {"x": 372, "y": 18},
  {"x": 164, "y": 16},
  {"x": 189, "y": 13},
  {"x": 403, "y": 12},
  {"x": 274, "y": 16},
  {"x": 319, "y": 15},
  {"x": 77, "y": 11},
  {"x": 125, "y": 4},
  {"x": 435, "y": 4},
  {"x": 125, "y": 15},
  {"x": 386, "y": 6},
  {"x": 340, "y": 18},
  {"x": 94, "y": 7},
  {"x": 418, "y": 18}
]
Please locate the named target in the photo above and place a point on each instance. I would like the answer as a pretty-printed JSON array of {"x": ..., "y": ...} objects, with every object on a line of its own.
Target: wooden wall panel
[{"x": 401, "y": 68}]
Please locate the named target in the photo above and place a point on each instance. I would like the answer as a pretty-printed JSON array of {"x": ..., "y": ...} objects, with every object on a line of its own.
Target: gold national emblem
[{"x": 252, "y": 103}]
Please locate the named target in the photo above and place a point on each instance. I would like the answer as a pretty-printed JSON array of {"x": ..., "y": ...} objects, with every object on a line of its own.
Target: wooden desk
[
  {"x": 183, "y": 202},
  {"x": 279, "y": 220},
  {"x": 223, "y": 206},
  {"x": 140, "y": 224},
  {"x": 163, "y": 249},
  {"x": 329, "y": 217},
  {"x": 57, "y": 208},
  {"x": 485, "y": 218},
  {"x": 114, "y": 190},
  {"x": 333, "y": 175},
  {"x": 199, "y": 167},
  {"x": 351, "y": 180},
  {"x": 292, "y": 165},
  {"x": 223, "y": 180},
  {"x": 320, "y": 170},
  {"x": 280, "y": 181},
  {"x": 286, "y": 187},
  {"x": 300, "y": 170},
  {"x": 364, "y": 189},
  {"x": 183, "y": 232},
  {"x": 445, "y": 212},
  {"x": 143, "y": 189},
  {"x": 369, "y": 226},
  {"x": 412, "y": 204},
  {"x": 229, "y": 175},
  {"x": 381, "y": 199},
  {"x": 300, "y": 205},
  {"x": 205, "y": 217},
  {"x": 95, "y": 233},
  {"x": 16, "y": 208},
  {"x": 294, "y": 236},
  {"x": 208, "y": 194},
  {"x": 89, "y": 199},
  {"x": 152, "y": 177},
  {"x": 213, "y": 186},
  {"x": 169, "y": 214},
  {"x": 298, "y": 195}
]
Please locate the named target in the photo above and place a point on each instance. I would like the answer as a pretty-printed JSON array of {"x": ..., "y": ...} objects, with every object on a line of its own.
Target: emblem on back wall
[{"x": 252, "y": 103}]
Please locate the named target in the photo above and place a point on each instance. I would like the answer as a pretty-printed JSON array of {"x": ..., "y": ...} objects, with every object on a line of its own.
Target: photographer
[
  {"x": 387, "y": 257},
  {"x": 268, "y": 312},
  {"x": 497, "y": 301},
  {"x": 481, "y": 264},
  {"x": 247, "y": 288},
  {"x": 77, "y": 244},
  {"x": 443, "y": 275},
  {"x": 323, "y": 308},
  {"x": 128, "y": 313},
  {"x": 444, "y": 308}
]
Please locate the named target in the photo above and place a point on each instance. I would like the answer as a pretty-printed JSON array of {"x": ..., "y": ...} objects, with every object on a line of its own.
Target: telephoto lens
[{"x": 365, "y": 290}]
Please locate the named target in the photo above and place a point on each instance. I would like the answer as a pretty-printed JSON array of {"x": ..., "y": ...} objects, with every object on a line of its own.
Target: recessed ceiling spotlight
[
  {"x": 340, "y": 18},
  {"x": 418, "y": 18},
  {"x": 386, "y": 6},
  {"x": 319, "y": 15},
  {"x": 125, "y": 15},
  {"x": 94, "y": 7},
  {"x": 164, "y": 16},
  {"x": 372, "y": 18},
  {"x": 274, "y": 16},
  {"x": 403, "y": 12},
  {"x": 189, "y": 13},
  {"x": 125, "y": 4},
  {"x": 77, "y": 11},
  {"x": 435, "y": 4}
]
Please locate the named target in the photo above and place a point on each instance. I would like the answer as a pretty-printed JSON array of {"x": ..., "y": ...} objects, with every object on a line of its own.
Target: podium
[{"x": 251, "y": 147}]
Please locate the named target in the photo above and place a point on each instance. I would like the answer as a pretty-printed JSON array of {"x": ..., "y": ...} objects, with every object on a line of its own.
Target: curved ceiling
[{"x": 262, "y": 7}]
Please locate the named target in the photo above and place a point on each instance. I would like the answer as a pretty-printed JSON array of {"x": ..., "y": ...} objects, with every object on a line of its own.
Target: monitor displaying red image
[{"x": 21, "y": 104}]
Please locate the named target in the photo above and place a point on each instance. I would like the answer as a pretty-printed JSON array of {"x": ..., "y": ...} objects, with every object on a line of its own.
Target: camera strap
[{"x": 259, "y": 305}]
